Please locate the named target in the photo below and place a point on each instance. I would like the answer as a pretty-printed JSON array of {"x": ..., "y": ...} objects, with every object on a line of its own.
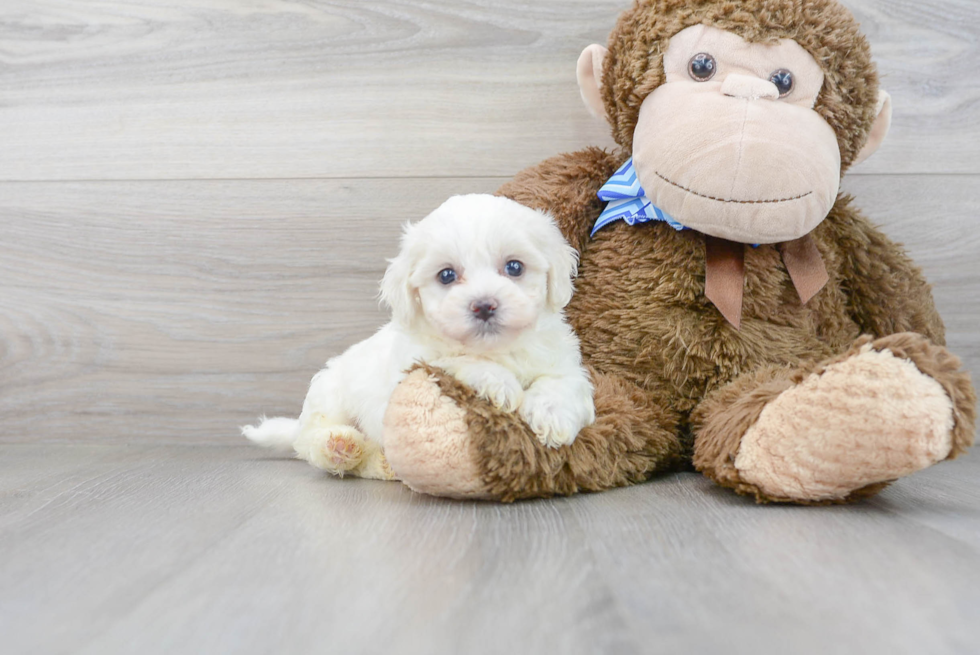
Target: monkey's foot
[{"x": 884, "y": 410}]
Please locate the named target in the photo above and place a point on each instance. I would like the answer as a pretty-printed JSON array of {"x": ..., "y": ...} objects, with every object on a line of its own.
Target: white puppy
[{"x": 477, "y": 290}]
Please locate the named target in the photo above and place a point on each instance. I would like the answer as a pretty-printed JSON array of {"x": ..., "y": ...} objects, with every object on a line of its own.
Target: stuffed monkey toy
[{"x": 735, "y": 310}]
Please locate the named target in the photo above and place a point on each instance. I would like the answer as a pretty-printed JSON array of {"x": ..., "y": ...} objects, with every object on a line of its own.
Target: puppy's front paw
[
  {"x": 502, "y": 391},
  {"x": 553, "y": 418},
  {"x": 490, "y": 381}
]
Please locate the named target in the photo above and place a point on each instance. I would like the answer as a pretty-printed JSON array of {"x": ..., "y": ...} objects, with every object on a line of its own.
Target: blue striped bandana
[{"x": 628, "y": 201}]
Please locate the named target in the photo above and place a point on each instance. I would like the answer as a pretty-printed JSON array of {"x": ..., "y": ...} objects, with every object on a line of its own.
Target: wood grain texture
[
  {"x": 228, "y": 550},
  {"x": 133, "y": 311},
  {"x": 931, "y": 216},
  {"x": 175, "y": 311},
  {"x": 277, "y": 89}
]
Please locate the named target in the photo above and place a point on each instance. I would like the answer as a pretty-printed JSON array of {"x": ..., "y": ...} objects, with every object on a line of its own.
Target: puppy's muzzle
[{"x": 484, "y": 310}]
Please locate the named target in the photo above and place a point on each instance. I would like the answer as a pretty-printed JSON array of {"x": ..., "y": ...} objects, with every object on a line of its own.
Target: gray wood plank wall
[{"x": 196, "y": 198}]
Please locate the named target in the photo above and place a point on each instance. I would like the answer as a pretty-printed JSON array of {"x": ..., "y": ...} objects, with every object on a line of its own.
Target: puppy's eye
[
  {"x": 447, "y": 276},
  {"x": 514, "y": 268}
]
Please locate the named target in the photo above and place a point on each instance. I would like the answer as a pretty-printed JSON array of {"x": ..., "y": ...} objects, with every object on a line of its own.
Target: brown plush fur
[
  {"x": 640, "y": 308},
  {"x": 668, "y": 367},
  {"x": 641, "y": 313}
]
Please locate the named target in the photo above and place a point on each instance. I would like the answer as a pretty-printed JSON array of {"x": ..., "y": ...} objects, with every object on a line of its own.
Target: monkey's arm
[
  {"x": 441, "y": 439},
  {"x": 566, "y": 186},
  {"x": 887, "y": 291}
]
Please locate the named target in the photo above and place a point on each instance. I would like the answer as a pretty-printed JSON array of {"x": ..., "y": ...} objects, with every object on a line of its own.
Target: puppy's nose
[{"x": 484, "y": 309}]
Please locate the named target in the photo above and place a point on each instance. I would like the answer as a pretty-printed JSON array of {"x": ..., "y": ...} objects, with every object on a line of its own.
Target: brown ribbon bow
[{"x": 725, "y": 272}]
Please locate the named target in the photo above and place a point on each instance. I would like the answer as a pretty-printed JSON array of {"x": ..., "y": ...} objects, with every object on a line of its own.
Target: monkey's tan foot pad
[
  {"x": 870, "y": 417},
  {"x": 427, "y": 441}
]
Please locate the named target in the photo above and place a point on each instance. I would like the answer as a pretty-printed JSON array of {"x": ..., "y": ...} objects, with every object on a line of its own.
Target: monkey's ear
[
  {"x": 589, "y": 73},
  {"x": 880, "y": 128}
]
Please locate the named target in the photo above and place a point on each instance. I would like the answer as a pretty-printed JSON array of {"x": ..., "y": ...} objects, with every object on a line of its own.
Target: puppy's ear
[
  {"x": 396, "y": 287},
  {"x": 562, "y": 266}
]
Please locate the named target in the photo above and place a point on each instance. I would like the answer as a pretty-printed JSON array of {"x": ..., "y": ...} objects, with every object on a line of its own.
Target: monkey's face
[{"x": 730, "y": 145}]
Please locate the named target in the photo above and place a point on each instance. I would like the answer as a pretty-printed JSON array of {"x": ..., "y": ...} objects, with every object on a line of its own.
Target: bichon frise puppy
[{"x": 477, "y": 290}]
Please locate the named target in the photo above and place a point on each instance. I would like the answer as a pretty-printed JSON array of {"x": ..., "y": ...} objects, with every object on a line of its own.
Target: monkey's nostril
[{"x": 484, "y": 309}]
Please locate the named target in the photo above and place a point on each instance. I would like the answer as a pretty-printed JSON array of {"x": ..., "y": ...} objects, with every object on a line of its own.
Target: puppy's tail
[{"x": 275, "y": 433}]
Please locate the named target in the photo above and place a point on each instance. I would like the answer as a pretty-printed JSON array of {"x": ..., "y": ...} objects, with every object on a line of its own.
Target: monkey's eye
[
  {"x": 783, "y": 80},
  {"x": 702, "y": 67},
  {"x": 514, "y": 268},
  {"x": 447, "y": 276}
]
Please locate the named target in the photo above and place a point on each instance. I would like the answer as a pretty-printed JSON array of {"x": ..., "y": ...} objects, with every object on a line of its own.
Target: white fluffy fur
[{"x": 525, "y": 359}]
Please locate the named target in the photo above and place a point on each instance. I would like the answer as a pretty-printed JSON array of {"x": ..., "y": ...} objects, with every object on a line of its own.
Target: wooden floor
[
  {"x": 226, "y": 549},
  {"x": 196, "y": 199}
]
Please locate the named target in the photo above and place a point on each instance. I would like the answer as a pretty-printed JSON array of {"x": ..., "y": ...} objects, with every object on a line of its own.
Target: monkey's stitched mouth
[{"x": 740, "y": 202}]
